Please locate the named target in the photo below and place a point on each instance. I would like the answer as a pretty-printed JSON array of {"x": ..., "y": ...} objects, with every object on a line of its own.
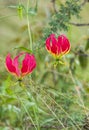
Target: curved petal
[
  {"x": 52, "y": 44},
  {"x": 28, "y": 64},
  {"x": 9, "y": 65},
  {"x": 49, "y": 41},
  {"x": 64, "y": 44},
  {"x": 48, "y": 47},
  {"x": 24, "y": 69},
  {"x": 32, "y": 63},
  {"x": 16, "y": 63}
]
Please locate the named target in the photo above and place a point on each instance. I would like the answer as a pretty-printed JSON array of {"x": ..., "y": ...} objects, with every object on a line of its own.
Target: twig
[
  {"x": 75, "y": 24},
  {"x": 79, "y": 24},
  {"x": 84, "y": 2},
  {"x": 49, "y": 127},
  {"x": 80, "y": 53},
  {"x": 54, "y": 7}
]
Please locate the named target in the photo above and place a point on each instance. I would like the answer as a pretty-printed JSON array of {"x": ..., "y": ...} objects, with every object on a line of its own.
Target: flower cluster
[{"x": 56, "y": 46}]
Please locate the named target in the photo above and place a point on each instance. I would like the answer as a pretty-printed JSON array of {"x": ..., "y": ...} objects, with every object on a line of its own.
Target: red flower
[
  {"x": 28, "y": 64},
  {"x": 57, "y": 46}
]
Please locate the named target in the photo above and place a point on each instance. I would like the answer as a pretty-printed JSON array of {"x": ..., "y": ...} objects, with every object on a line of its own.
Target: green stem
[
  {"x": 60, "y": 107},
  {"x": 27, "y": 113},
  {"x": 53, "y": 113},
  {"x": 24, "y": 105},
  {"x": 35, "y": 114},
  {"x": 29, "y": 29},
  {"x": 34, "y": 111}
]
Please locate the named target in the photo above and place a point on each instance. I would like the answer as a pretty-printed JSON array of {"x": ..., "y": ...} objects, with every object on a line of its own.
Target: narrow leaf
[{"x": 24, "y": 49}]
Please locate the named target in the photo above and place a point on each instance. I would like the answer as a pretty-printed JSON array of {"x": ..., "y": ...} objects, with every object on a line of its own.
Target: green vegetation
[{"x": 51, "y": 98}]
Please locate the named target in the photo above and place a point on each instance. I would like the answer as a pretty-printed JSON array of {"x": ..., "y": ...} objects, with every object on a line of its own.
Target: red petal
[
  {"x": 64, "y": 43},
  {"x": 32, "y": 63},
  {"x": 9, "y": 65},
  {"x": 16, "y": 63},
  {"x": 28, "y": 64},
  {"x": 52, "y": 44},
  {"x": 48, "y": 47}
]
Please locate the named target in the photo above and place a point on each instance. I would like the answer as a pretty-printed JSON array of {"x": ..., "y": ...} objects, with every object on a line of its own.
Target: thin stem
[
  {"x": 78, "y": 92},
  {"x": 37, "y": 120},
  {"x": 74, "y": 123},
  {"x": 53, "y": 113},
  {"x": 34, "y": 111},
  {"x": 27, "y": 113},
  {"x": 62, "y": 109},
  {"x": 24, "y": 106},
  {"x": 29, "y": 29},
  {"x": 36, "y": 117}
]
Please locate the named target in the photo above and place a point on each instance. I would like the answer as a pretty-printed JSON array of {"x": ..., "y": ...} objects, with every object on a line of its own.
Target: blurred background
[{"x": 52, "y": 98}]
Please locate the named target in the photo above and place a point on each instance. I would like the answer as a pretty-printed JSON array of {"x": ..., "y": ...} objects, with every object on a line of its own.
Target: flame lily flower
[
  {"x": 27, "y": 66},
  {"x": 57, "y": 46}
]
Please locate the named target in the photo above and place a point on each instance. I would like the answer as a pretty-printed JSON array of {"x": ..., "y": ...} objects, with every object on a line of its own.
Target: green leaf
[
  {"x": 10, "y": 100},
  {"x": 24, "y": 49},
  {"x": 46, "y": 121},
  {"x": 87, "y": 45},
  {"x": 12, "y": 6},
  {"x": 32, "y": 11},
  {"x": 83, "y": 59}
]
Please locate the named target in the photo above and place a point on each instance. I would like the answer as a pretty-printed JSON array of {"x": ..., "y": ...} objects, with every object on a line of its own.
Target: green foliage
[
  {"x": 24, "y": 49},
  {"x": 83, "y": 59},
  {"x": 60, "y": 20},
  {"x": 87, "y": 44},
  {"x": 52, "y": 97},
  {"x": 33, "y": 11}
]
